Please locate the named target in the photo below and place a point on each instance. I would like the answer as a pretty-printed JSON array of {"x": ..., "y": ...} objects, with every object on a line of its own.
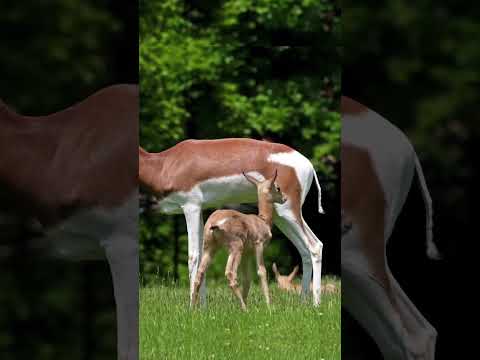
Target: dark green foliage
[{"x": 58, "y": 46}]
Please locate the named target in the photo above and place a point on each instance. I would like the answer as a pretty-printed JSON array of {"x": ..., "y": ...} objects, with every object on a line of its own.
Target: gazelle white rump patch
[{"x": 303, "y": 169}]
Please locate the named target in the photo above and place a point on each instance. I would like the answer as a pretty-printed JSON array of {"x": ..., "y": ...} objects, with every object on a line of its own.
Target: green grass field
[{"x": 290, "y": 330}]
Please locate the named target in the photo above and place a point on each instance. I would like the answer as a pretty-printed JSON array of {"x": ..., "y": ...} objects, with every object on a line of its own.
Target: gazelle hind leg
[
  {"x": 367, "y": 301},
  {"x": 286, "y": 228},
  {"x": 293, "y": 227},
  {"x": 381, "y": 306},
  {"x": 317, "y": 262},
  {"x": 421, "y": 334}
]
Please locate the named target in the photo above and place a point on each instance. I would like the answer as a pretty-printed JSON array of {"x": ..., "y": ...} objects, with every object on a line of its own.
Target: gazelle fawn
[
  {"x": 241, "y": 234},
  {"x": 286, "y": 282}
]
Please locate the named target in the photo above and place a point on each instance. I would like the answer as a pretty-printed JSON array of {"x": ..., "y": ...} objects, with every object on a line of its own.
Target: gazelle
[
  {"x": 73, "y": 174},
  {"x": 241, "y": 234},
  {"x": 378, "y": 164},
  {"x": 198, "y": 174},
  {"x": 286, "y": 282}
]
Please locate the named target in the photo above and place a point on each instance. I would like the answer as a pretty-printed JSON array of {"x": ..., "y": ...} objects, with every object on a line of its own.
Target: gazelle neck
[
  {"x": 149, "y": 170},
  {"x": 144, "y": 168}
]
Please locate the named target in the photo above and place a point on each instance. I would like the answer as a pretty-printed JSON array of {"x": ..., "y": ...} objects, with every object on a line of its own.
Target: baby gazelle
[
  {"x": 286, "y": 282},
  {"x": 239, "y": 233}
]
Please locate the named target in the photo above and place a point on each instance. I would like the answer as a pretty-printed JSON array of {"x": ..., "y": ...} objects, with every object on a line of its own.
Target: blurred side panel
[
  {"x": 410, "y": 85},
  {"x": 68, "y": 176}
]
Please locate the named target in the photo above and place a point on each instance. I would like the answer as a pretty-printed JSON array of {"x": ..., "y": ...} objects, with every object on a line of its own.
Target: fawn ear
[
  {"x": 251, "y": 179},
  {"x": 293, "y": 273}
]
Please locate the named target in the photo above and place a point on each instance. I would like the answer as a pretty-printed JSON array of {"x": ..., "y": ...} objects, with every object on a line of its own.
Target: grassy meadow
[{"x": 291, "y": 329}]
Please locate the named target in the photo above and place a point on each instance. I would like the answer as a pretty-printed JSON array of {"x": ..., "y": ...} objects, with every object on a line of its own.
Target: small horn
[{"x": 275, "y": 176}]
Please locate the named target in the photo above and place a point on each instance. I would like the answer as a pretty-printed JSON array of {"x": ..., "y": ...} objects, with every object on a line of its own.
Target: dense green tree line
[{"x": 55, "y": 52}]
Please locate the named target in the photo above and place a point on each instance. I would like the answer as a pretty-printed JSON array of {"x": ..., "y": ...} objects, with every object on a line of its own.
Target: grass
[{"x": 291, "y": 329}]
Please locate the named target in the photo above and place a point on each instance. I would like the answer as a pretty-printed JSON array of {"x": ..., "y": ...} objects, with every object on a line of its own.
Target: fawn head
[{"x": 268, "y": 188}]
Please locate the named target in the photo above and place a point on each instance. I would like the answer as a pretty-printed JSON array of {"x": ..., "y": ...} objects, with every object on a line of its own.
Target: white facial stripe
[
  {"x": 223, "y": 221},
  {"x": 302, "y": 166}
]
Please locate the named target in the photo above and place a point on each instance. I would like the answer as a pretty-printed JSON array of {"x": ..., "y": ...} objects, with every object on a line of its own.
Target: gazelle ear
[
  {"x": 251, "y": 179},
  {"x": 293, "y": 273}
]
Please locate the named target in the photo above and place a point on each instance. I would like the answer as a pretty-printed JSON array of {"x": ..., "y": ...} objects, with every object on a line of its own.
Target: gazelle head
[
  {"x": 286, "y": 282},
  {"x": 268, "y": 189}
]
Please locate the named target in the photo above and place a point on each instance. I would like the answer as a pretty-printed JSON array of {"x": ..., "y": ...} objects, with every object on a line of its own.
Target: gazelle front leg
[
  {"x": 194, "y": 219},
  {"x": 122, "y": 256},
  {"x": 262, "y": 271}
]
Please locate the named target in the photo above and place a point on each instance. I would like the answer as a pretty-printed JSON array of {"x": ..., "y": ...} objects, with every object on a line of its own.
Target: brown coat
[{"x": 81, "y": 157}]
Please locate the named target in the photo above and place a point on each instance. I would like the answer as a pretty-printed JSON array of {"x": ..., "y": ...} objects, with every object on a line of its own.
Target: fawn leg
[
  {"x": 262, "y": 271},
  {"x": 246, "y": 269},
  {"x": 231, "y": 272},
  {"x": 199, "y": 278}
]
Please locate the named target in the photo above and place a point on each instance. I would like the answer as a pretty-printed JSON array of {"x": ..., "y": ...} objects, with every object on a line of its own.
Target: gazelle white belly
[
  {"x": 212, "y": 193},
  {"x": 84, "y": 235}
]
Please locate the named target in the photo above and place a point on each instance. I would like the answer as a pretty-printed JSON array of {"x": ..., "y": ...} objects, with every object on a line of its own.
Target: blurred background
[
  {"x": 266, "y": 70},
  {"x": 54, "y": 53},
  {"x": 417, "y": 64}
]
